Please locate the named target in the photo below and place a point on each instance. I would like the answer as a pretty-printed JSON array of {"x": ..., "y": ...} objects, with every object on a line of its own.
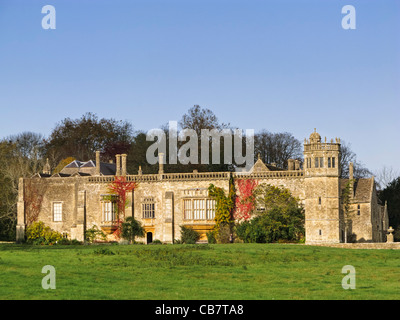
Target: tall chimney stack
[
  {"x": 351, "y": 177},
  {"x": 296, "y": 164},
  {"x": 161, "y": 163},
  {"x": 123, "y": 158},
  {"x": 97, "y": 163},
  {"x": 118, "y": 164},
  {"x": 351, "y": 171},
  {"x": 290, "y": 164}
]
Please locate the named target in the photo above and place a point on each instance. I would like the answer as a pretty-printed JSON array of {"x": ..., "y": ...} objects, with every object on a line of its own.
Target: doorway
[{"x": 149, "y": 237}]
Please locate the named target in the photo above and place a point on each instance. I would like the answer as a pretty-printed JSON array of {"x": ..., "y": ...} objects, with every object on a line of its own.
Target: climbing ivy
[
  {"x": 224, "y": 210},
  {"x": 120, "y": 187}
]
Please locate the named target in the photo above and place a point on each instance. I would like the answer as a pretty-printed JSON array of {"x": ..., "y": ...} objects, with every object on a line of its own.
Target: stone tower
[{"x": 322, "y": 194}]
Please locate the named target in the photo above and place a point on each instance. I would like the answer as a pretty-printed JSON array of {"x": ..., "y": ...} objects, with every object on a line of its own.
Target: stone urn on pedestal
[{"x": 390, "y": 237}]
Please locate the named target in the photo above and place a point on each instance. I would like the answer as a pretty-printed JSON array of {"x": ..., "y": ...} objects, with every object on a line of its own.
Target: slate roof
[
  {"x": 87, "y": 168},
  {"x": 107, "y": 168},
  {"x": 363, "y": 188}
]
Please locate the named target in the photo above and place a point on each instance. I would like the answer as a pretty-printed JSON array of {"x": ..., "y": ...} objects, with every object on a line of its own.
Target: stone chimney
[
  {"x": 118, "y": 164},
  {"x": 123, "y": 158},
  {"x": 351, "y": 177},
  {"x": 291, "y": 164},
  {"x": 161, "y": 163},
  {"x": 97, "y": 172},
  {"x": 296, "y": 164}
]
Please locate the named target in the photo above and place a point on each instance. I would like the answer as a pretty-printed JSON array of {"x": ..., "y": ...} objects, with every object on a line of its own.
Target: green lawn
[{"x": 232, "y": 271}]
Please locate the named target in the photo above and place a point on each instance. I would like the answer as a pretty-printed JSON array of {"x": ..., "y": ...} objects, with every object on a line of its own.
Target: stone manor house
[{"x": 78, "y": 198}]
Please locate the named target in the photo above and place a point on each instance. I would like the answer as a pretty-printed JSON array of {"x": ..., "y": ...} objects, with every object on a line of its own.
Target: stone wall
[{"x": 81, "y": 199}]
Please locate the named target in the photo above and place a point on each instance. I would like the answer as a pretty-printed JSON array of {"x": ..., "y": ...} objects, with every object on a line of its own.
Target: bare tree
[
  {"x": 277, "y": 147},
  {"x": 385, "y": 175},
  {"x": 198, "y": 118},
  {"x": 16, "y": 160},
  {"x": 346, "y": 156}
]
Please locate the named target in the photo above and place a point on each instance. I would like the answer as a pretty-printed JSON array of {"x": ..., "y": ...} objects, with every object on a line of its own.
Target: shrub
[
  {"x": 282, "y": 218},
  {"x": 224, "y": 234},
  {"x": 39, "y": 233},
  {"x": 94, "y": 233},
  {"x": 276, "y": 224},
  {"x": 211, "y": 237},
  {"x": 104, "y": 251},
  {"x": 131, "y": 229},
  {"x": 65, "y": 241},
  {"x": 156, "y": 242},
  {"x": 189, "y": 236}
]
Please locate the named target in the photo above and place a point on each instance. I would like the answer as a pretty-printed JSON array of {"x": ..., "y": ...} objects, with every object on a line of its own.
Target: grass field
[{"x": 232, "y": 271}]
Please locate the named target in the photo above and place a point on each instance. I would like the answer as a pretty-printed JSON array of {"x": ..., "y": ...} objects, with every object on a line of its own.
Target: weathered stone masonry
[{"x": 78, "y": 198}]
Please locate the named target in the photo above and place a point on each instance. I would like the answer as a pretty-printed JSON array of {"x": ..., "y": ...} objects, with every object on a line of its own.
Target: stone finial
[
  {"x": 47, "y": 168},
  {"x": 140, "y": 171},
  {"x": 315, "y": 137},
  {"x": 390, "y": 237}
]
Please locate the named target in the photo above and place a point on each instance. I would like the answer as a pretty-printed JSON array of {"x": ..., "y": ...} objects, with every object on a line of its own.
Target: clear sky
[{"x": 284, "y": 65}]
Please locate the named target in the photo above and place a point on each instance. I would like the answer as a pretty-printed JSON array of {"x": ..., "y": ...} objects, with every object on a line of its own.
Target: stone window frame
[
  {"x": 331, "y": 162},
  {"x": 316, "y": 162},
  {"x": 309, "y": 162},
  {"x": 148, "y": 208},
  {"x": 108, "y": 216},
  {"x": 204, "y": 210},
  {"x": 58, "y": 214}
]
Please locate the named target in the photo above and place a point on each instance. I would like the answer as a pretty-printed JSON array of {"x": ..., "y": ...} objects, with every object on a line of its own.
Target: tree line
[{"x": 24, "y": 154}]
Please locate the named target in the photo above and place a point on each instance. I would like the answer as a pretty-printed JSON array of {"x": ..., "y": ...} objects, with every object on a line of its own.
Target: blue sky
[{"x": 284, "y": 65}]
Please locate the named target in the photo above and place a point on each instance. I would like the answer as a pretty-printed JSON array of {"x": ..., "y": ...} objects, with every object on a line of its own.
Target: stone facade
[{"x": 78, "y": 198}]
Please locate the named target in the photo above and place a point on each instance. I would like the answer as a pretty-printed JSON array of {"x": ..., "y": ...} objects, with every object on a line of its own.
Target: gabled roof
[
  {"x": 87, "y": 168},
  {"x": 260, "y": 166},
  {"x": 363, "y": 188},
  {"x": 74, "y": 164},
  {"x": 88, "y": 164}
]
